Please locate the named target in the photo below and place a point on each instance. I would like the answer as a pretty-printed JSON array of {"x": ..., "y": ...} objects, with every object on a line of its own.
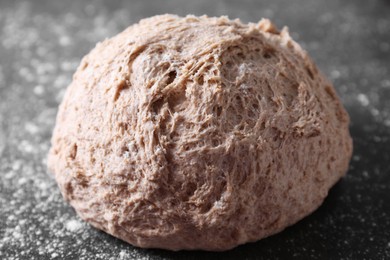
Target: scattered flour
[
  {"x": 335, "y": 74},
  {"x": 74, "y": 225},
  {"x": 31, "y": 128},
  {"x": 362, "y": 98},
  {"x": 39, "y": 90},
  {"x": 43, "y": 50}
]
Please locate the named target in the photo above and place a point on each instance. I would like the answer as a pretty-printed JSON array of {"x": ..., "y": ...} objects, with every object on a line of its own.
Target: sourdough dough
[{"x": 198, "y": 133}]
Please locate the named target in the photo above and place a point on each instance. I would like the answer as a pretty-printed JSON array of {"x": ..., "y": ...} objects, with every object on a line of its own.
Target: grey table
[{"x": 41, "y": 44}]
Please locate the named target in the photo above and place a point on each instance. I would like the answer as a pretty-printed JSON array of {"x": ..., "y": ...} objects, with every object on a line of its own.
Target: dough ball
[{"x": 198, "y": 133}]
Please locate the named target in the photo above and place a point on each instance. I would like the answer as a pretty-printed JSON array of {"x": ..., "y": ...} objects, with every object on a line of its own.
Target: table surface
[{"x": 41, "y": 44}]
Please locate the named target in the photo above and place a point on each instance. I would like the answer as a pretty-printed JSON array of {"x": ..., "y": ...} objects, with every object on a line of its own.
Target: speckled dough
[{"x": 198, "y": 133}]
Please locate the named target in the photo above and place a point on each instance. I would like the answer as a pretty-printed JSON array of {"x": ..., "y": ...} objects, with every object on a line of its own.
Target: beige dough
[{"x": 198, "y": 133}]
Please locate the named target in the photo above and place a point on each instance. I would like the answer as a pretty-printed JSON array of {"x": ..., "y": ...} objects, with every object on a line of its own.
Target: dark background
[{"x": 41, "y": 44}]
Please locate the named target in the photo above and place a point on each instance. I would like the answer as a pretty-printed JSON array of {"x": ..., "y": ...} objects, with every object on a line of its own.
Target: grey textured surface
[{"x": 41, "y": 44}]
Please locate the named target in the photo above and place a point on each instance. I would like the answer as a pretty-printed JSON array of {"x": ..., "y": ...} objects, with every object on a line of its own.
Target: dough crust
[{"x": 198, "y": 133}]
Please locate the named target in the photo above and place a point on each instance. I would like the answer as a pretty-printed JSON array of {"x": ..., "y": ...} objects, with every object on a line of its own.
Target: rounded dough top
[{"x": 198, "y": 133}]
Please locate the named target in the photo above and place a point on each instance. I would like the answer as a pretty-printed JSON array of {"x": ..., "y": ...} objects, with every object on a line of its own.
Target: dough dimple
[{"x": 198, "y": 133}]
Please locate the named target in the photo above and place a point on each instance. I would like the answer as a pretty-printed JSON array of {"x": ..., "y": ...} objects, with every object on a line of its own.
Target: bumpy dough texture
[{"x": 198, "y": 133}]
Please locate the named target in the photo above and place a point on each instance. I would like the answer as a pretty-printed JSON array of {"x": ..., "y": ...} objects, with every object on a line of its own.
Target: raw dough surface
[{"x": 198, "y": 133}]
